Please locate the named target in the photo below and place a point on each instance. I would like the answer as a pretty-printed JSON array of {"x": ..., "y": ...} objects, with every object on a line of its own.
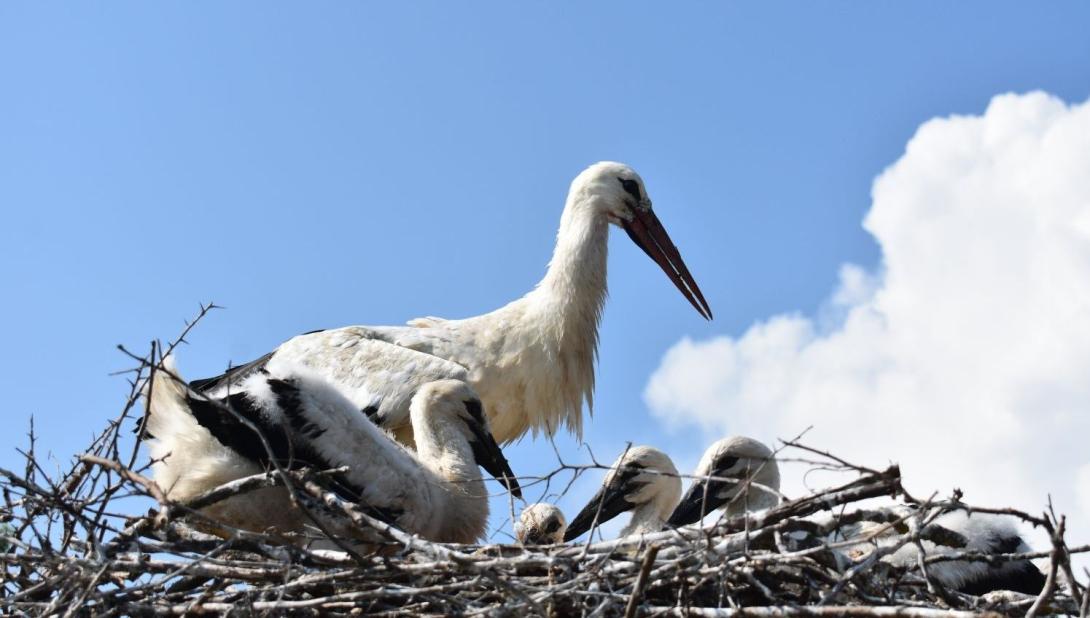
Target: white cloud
[{"x": 966, "y": 356}]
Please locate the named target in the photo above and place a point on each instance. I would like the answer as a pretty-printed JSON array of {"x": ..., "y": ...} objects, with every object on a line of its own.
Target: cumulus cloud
[{"x": 966, "y": 355}]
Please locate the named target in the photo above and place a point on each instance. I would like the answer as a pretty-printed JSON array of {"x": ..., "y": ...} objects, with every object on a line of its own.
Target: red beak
[{"x": 647, "y": 232}]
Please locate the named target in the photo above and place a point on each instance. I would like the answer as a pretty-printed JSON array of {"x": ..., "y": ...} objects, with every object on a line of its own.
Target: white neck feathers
[
  {"x": 459, "y": 492},
  {"x": 534, "y": 358},
  {"x": 567, "y": 303},
  {"x": 646, "y": 519}
]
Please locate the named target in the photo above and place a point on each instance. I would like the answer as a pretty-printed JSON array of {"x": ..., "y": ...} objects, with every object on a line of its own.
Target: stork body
[
  {"x": 437, "y": 492},
  {"x": 949, "y": 533},
  {"x": 532, "y": 361},
  {"x": 644, "y": 481},
  {"x": 735, "y": 475}
]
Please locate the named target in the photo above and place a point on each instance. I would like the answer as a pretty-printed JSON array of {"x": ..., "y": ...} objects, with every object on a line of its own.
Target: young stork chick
[
  {"x": 642, "y": 480},
  {"x": 735, "y": 475},
  {"x": 540, "y": 523},
  {"x": 953, "y": 532},
  {"x": 437, "y": 492}
]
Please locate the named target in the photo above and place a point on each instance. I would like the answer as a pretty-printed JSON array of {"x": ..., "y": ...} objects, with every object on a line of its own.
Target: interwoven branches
[{"x": 85, "y": 542}]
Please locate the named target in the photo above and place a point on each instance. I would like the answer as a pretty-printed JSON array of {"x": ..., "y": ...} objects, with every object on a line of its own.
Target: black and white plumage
[
  {"x": 735, "y": 475},
  {"x": 532, "y": 361},
  {"x": 197, "y": 443},
  {"x": 946, "y": 534},
  {"x": 644, "y": 481},
  {"x": 540, "y": 523}
]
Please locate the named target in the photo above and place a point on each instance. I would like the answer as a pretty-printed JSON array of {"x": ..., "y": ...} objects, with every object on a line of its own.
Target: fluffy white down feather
[
  {"x": 540, "y": 523},
  {"x": 439, "y": 493},
  {"x": 983, "y": 532}
]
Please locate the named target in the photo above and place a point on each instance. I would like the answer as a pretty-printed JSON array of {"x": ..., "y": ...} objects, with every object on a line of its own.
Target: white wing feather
[{"x": 369, "y": 369}]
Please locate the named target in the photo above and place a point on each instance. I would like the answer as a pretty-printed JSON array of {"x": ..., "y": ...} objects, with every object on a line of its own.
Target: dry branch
[{"x": 79, "y": 545}]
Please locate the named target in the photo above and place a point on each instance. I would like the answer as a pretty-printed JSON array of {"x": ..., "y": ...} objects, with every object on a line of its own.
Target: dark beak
[
  {"x": 488, "y": 455},
  {"x": 544, "y": 534},
  {"x": 537, "y": 537},
  {"x": 608, "y": 503},
  {"x": 647, "y": 232},
  {"x": 702, "y": 498}
]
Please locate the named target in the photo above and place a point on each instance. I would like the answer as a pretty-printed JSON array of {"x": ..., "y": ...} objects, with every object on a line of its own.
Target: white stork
[
  {"x": 736, "y": 474},
  {"x": 437, "y": 492},
  {"x": 642, "y": 480},
  {"x": 532, "y": 361},
  {"x": 540, "y": 523},
  {"x": 948, "y": 533}
]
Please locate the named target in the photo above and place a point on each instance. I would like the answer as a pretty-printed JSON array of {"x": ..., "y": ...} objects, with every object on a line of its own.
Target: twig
[{"x": 641, "y": 581}]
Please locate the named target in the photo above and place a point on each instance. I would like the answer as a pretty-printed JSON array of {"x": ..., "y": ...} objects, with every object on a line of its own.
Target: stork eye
[
  {"x": 631, "y": 187},
  {"x": 476, "y": 410},
  {"x": 725, "y": 463}
]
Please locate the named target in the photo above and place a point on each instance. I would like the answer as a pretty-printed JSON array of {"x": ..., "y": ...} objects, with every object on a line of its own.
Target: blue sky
[{"x": 344, "y": 163}]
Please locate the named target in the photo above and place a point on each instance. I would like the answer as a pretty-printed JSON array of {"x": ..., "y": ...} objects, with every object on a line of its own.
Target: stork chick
[
  {"x": 735, "y": 475},
  {"x": 437, "y": 492},
  {"x": 642, "y": 480},
  {"x": 540, "y": 523},
  {"x": 952, "y": 532}
]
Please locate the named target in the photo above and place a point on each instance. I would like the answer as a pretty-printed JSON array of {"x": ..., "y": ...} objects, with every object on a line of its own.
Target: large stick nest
[{"x": 70, "y": 545}]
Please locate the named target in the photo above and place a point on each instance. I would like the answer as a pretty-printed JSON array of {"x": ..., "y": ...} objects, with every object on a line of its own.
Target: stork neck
[
  {"x": 574, "y": 287},
  {"x": 756, "y": 498},
  {"x": 443, "y": 449},
  {"x": 645, "y": 519},
  {"x": 459, "y": 496}
]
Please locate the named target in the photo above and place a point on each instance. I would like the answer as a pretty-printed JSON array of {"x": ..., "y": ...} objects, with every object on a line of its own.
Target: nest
[{"x": 70, "y": 545}]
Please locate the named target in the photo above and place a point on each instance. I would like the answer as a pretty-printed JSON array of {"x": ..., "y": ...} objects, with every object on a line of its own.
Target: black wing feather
[
  {"x": 236, "y": 375},
  {"x": 290, "y": 449},
  {"x": 1021, "y": 576},
  {"x": 233, "y": 376}
]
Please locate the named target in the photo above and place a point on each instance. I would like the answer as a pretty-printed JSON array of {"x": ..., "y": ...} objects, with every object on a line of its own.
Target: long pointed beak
[
  {"x": 700, "y": 500},
  {"x": 647, "y": 232},
  {"x": 488, "y": 455},
  {"x": 609, "y": 502}
]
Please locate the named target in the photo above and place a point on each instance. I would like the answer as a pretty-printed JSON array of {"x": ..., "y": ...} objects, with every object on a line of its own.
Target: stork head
[
  {"x": 540, "y": 523},
  {"x": 737, "y": 474},
  {"x": 616, "y": 191},
  {"x": 456, "y": 406},
  {"x": 641, "y": 477}
]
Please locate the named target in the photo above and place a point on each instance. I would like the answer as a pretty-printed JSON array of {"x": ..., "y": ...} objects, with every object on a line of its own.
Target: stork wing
[
  {"x": 426, "y": 322},
  {"x": 377, "y": 369},
  {"x": 272, "y": 422},
  {"x": 233, "y": 376}
]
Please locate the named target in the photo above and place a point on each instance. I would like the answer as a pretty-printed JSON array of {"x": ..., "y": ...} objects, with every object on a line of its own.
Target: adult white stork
[
  {"x": 735, "y": 475},
  {"x": 437, "y": 492},
  {"x": 532, "y": 361},
  {"x": 642, "y": 480}
]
